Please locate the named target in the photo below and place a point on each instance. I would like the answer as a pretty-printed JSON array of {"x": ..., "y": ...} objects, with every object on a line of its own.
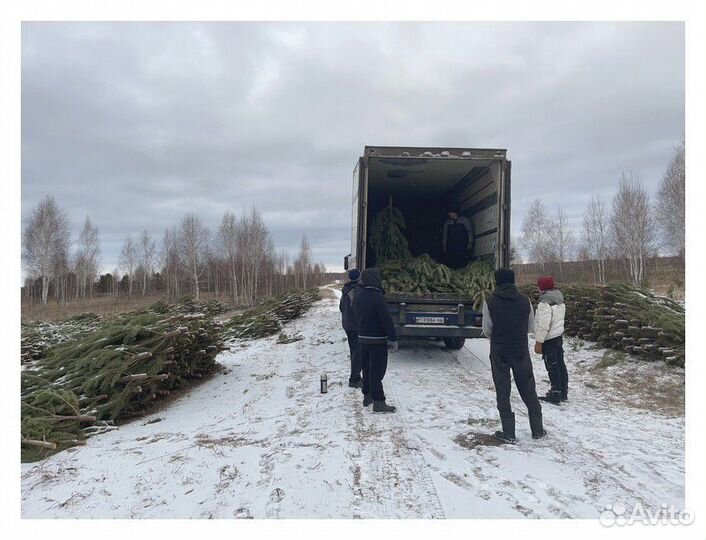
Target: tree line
[
  {"x": 238, "y": 260},
  {"x": 630, "y": 229}
]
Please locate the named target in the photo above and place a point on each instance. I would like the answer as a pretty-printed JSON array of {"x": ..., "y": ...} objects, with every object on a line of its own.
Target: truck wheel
[{"x": 454, "y": 343}]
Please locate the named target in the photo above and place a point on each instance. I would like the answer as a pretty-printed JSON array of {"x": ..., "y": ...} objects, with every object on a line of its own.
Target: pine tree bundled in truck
[{"x": 401, "y": 199}]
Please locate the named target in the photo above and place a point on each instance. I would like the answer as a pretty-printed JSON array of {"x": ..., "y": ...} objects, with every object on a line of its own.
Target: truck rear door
[
  {"x": 503, "y": 256},
  {"x": 355, "y": 259}
]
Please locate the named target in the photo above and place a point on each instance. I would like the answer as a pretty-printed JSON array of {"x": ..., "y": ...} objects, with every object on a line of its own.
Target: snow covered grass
[{"x": 261, "y": 441}]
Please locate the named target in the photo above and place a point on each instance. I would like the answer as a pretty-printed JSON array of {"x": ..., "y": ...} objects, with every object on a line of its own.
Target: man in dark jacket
[
  {"x": 507, "y": 319},
  {"x": 375, "y": 331},
  {"x": 457, "y": 240},
  {"x": 348, "y": 293}
]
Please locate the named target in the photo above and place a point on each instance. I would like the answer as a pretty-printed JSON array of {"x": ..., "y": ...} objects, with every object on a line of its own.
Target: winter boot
[
  {"x": 382, "y": 407},
  {"x": 508, "y": 433},
  {"x": 355, "y": 384},
  {"x": 536, "y": 426},
  {"x": 367, "y": 400},
  {"x": 552, "y": 397},
  {"x": 565, "y": 395}
]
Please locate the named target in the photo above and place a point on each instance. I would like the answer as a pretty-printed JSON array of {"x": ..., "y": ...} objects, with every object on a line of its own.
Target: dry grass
[
  {"x": 101, "y": 304},
  {"x": 626, "y": 381},
  {"x": 328, "y": 294}
]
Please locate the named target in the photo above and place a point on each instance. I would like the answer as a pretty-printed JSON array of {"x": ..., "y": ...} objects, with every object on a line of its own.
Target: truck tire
[{"x": 454, "y": 343}]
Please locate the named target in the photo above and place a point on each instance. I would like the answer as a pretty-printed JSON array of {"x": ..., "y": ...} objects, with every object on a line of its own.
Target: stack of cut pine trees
[
  {"x": 87, "y": 373},
  {"x": 624, "y": 317},
  {"x": 268, "y": 317},
  {"x": 117, "y": 371}
]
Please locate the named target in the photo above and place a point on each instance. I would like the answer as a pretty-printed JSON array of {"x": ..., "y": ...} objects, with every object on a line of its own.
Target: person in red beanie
[{"x": 549, "y": 329}]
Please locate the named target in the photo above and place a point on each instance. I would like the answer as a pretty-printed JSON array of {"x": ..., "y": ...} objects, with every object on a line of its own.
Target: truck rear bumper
[{"x": 427, "y": 330}]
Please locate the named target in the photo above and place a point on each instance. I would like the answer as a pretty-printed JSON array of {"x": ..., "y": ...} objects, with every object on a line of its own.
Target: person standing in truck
[
  {"x": 348, "y": 293},
  {"x": 507, "y": 319},
  {"x": 457, "y": 240},
  {"x": 376, "y": 332},
  {"x": 549, "y": 330}
]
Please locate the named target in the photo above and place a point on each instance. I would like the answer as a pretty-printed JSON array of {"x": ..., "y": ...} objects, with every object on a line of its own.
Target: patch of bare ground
[
  {"x": 327, "y": 293},
  {"x": 474, "y": 439},
  {"x": 622, "y": 379}
]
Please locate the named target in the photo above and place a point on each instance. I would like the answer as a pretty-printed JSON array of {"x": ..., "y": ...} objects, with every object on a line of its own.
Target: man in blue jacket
[
  {"x": 375, "y": 331},
  {"x": 348, "y": 293}
]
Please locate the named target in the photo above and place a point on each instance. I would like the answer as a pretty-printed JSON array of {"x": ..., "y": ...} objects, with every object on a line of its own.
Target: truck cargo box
[{"x": 424, "y": 183}]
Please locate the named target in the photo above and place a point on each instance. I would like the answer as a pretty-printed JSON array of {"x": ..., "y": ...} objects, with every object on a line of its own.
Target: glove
[
  {"x": 538, "y": 347},
  {"x": 393, "y": 346}
]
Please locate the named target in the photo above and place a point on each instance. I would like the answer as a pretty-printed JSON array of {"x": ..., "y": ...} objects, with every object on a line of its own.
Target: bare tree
[
  {"x": 147, "y": 249},
  {"x": 193, "y": 248},
  {"x": 129, "y": 260},
  {"x": 304, "y": 259},
  {"x": 170, "y": 261},
  {"x": 87, "y": 258},
  {"x": 228, "y": 237},
  {"x": 535, "y": 233},
  {"x": 255, "y": 246},
  {"x": 45, "y": 242},
  {"x": 671, "y": 198},
  {"x": 514, "y": 254},
  {"x": 562, "y": 244},
  {"x": 596, "y": 235},
  {"x": 115, "y": 282},
  {"x": 633, "y": 226},
  {"x": 283, "y": 261}
]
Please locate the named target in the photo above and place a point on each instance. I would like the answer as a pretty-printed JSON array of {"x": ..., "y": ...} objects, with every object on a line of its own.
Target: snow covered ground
[{"x": 261, "y": 441}]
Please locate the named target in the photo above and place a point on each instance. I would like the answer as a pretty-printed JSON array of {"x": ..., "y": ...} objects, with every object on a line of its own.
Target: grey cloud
[{"x": 135, "y": 124}]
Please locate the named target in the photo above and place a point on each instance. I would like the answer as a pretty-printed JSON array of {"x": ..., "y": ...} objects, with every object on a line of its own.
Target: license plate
[{"x": 430, "y": 320}]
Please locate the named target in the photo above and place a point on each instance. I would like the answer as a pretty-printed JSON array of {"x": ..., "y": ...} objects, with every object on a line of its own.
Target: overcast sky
[{"x": 137, "y": 124}]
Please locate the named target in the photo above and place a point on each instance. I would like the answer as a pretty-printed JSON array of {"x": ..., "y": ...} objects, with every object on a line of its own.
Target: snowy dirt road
[{"x": 261, "y": 441}]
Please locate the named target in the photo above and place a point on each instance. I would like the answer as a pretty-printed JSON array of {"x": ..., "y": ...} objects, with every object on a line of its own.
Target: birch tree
[
  {"x": 255, "y": 246},
  {"x": 147, "y": 249},
  {"x": 45, "y": 242},
  {"x": 633, "y": 226},
  {"x": 228, "y": 238},
  {"x": 535, "y": 233},
  {"x": 671, "y": 198},
  {"x": 304, "y": 259},
  {"x": 170, "y": 261},
  {"x": 562, "y": 244},
  {"x": 596, "y": 236},
  {"x": 129, "y": 261},
  {"x": 87, "y": 258},
  {"x": 193, "y": 248},
  {"x": 115, "y": 282}
]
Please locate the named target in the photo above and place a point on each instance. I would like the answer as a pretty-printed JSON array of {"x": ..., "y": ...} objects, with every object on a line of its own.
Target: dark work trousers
[
  {"x": 521, "y": 367},
  {"x": 457, "y": 258},
  {"x": 553, "y": 355},
  {"x": 374, "y": 360},
  {"x": 355, "y": 356}
]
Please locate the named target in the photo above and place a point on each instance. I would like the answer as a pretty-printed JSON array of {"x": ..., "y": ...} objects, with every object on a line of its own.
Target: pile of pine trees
[
  {"x": 621, "y": 316},
  {"x": 387, "y": 238},
  {"x": 268, "y": 317},
  {"x": 423, "y": 276},
  {"x": 38, "y": 336},
  {"x": 116, "y": 372}
]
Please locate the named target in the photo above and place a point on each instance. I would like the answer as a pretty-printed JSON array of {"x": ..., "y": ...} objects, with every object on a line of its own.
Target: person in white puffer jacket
[{"x": 549, "y": 331}]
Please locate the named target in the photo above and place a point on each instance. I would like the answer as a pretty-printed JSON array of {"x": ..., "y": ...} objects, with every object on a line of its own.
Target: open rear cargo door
[
  {"x": 504, "y": 225},
  {"x": 356, "y": 258}
]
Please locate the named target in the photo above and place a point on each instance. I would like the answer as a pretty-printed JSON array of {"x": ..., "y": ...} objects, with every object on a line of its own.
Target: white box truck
[{"x": 425, "y": 183}]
